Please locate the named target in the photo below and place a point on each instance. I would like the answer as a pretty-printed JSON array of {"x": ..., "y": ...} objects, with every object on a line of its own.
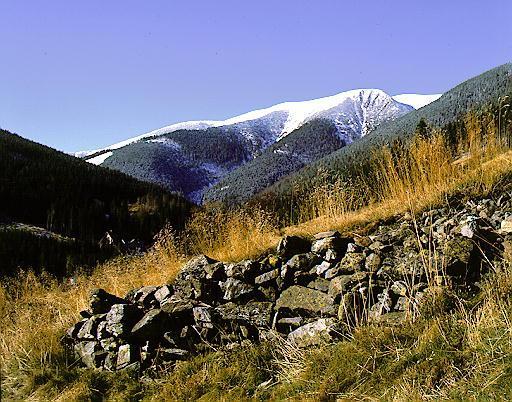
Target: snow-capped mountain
[{"x": 191, "y": 156}]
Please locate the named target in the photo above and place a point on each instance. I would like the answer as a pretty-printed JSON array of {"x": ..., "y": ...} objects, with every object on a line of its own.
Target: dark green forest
[
  {"x": 308, "y": 143},
  {"x": 70, "y": 197}
]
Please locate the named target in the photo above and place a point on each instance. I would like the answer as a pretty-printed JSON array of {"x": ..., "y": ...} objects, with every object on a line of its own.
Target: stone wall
[{"x": 309, "y": 290}]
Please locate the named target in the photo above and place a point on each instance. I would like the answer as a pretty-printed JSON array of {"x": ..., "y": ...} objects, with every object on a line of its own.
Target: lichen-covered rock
[
  {"x": 315, "y": 333},
  {"x": 351, "y": 263},
  {"x": 89, "y": 328},
  {"x": 300, "y": 299},
  {"x": 506, "y": 225},
  {"x": 152, "y": 326},
  {"x": 267, "y": 277},
  {"x": 254, "y": 313},
  {"x": 121, "y": 318},
  {"x": 90, "y": 353},
  {"x": 126, "y": 355},
  {"x": 344, "y": 283},
  {"x": 235, "y": 289}
]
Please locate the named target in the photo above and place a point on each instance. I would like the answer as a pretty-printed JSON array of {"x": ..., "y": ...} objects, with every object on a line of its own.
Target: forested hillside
[
  {"x": 489, "y": 93},
  {"x": 310, "y": 142},
  {"x": 48, "y": 189}
]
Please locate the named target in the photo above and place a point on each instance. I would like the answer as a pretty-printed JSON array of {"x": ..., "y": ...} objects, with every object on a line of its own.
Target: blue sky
[{"x": 82, "y": 75}]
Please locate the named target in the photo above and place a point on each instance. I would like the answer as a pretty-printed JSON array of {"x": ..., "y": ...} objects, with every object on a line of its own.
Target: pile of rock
[{"x": 309, "y": 290}]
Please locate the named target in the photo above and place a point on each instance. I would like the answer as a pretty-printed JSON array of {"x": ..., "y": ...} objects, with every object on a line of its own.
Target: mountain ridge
[{"x": 191, "y": 157}]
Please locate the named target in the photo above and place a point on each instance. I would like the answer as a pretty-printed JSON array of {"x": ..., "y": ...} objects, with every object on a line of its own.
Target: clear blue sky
[{"x": 84, "y": 74}]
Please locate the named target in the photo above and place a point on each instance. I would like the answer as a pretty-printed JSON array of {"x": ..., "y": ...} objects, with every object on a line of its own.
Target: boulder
[
  {"x": 254, "y": 313},
  {"x": 344, "y": 283},
  {"x": 152, "y": 326},
  {"x": 121, "y": 318},
  {"x": 126, "y": 355},
  {"x": 351, "y": 263},
  {"x": 315, "y": 333},
  {"x": 302, "y": 300},
  {"x": 290, "y": 245},
  {"x": 235, "y": 289},
  {"x": 267, "y": 277}
]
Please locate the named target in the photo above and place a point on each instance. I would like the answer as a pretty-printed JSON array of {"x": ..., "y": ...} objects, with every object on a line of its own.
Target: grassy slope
[{"x": 457, "y": 348}]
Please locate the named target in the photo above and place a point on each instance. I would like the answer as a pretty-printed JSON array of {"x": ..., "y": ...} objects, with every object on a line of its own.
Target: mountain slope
[
  {"x": 48, "y": 189},
  {"x": 192, "y": 156},
  {"x": 488, "y": 89}
]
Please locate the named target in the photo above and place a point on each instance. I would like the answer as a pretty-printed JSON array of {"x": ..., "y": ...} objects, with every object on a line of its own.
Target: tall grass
[
  {"x": 35, "y": 311},
  {"x": 413, "y": 178}
]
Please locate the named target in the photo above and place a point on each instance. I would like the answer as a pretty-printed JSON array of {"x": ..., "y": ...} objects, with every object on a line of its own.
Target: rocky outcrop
[{"x": 309, "y": 290}]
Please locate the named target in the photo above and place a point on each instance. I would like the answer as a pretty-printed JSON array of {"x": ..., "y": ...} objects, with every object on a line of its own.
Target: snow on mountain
[
  {"x": 417, "y": 101},
  {"x": 352, "y": 111},
  {"x": 193, "y": 156},
  {"x": 98, "y": 160}
]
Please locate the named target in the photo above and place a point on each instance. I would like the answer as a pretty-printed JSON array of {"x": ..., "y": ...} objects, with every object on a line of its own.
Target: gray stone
[
  {"x": 323, "y": 235},
  {"x": 125, "y": 356},
  {"x": 315, "y": 333},
  {"x": 191, "y": 281},
  {"x": 352, "y": 248},
  {"x": 319, "y": 284},
  {"x": 255, "y": 313},
  {"x": 121, "y": 318},
  {"x": 323, "y": 267},
  {"x": 203, "y": 316},
  {"x": 215, "y": 271},
  {"x": 73, "y": 331},
  {"x": 173, "y": 354},
  {"x": 151, "y": 326},
  {"x": 89, "y": 328},
  {"x": 267, "y": 277},
  {"x": 179, "y": 309},
  {"x": 373, "y": 262},
  {"x": 342, "y": 284},
  {"x": 90, "y": 353},
  {"x": 383, "y": 306},
  {"x": 292, "y": 321},
  {"x": 506, "y": 225},
  {"x": 322, "y": 246},
  {"x": 235, "y": 289},
  {"x": 351, "y": 263},
  {"x": 302, "y": 299},
  {"x": 246, "y": 269},
  {"x": 163, "y": 293}
]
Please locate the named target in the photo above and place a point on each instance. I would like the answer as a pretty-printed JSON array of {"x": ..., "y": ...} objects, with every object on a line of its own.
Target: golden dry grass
[
  {"x": 419, "y": 178},
  {"x": 35, "y": 311}
]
